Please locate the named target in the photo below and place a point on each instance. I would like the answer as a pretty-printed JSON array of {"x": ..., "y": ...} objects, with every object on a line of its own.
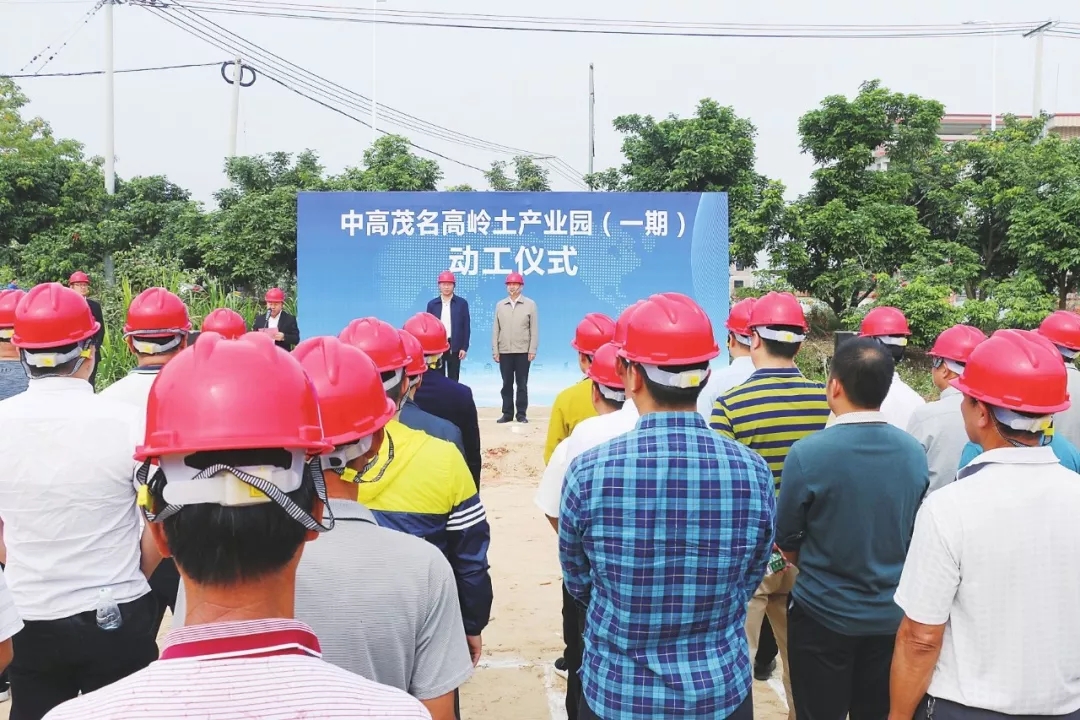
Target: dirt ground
[{"x": 516, "y": 678}]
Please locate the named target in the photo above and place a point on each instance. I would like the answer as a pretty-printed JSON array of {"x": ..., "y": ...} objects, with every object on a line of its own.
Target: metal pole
[
  {"x": 110, "y": 121},
  {"x": 1037, "y": 100},
  {"x": 234, "y": 115},
  {"x": 592, "y": 118},
  {"x": 993, "y": 82},
  {"x": 374, "y": 75}
]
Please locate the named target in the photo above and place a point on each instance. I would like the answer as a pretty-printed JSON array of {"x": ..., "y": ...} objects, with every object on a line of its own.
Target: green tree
[
  {"x": 529, "y": 176},
  {"x": 390, "y": 164},
  {"x": 856, "y": 223},
  {"x": 710, "y": 152}
]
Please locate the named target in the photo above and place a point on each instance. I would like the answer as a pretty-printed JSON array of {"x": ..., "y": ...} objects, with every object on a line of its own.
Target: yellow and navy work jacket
[
  {"x": 426, "y": 490},
  {"x": 572, "y": 405}
]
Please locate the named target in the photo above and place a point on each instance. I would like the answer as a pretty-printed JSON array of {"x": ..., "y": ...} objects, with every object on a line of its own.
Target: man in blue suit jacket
[{"x": 453, "y": 311}]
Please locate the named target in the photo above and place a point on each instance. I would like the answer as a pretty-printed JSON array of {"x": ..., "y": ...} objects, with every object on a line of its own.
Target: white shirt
[
  {"x": 10, "y": 623},
  {"x": 235, "y": 684},
  {"x": 995, "y": 558},
  {"x": 721, "y": 380},
  {"x": 1067, "y": 423},
  {"x": 133, "y": 389},
  {"x": 67, "y": 499},
  {"x": 900, "y": 403},
  {"x": 939, "y": 428},
  {"x": 445, "y": 317},
  {"x": 586, "y": 435},
  {"x": 272, "y": 321}
]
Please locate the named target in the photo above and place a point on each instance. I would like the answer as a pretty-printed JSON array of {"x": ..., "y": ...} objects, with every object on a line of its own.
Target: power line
[
  {"x": 79, "y": 25},
  {"x": 102, "y": 72}
]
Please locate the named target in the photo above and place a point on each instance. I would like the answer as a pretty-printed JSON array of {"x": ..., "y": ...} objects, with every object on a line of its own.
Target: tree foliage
[{"x": 528, "y": 176}]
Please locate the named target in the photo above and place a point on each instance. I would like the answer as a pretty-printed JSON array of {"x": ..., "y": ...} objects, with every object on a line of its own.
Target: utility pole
[
  {"x": 592, "y": 117},
  {"x": 234, "y": 115},
  {"x": 1037, "y": 108},
  {"x": 110, "y": 125}
]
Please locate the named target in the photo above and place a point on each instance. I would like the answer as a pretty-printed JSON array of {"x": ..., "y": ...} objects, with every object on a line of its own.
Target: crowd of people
[{"x": 908, "y": 559}]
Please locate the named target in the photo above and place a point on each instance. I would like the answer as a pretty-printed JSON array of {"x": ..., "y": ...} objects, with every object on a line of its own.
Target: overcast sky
[{"x": 528, "y": 90}]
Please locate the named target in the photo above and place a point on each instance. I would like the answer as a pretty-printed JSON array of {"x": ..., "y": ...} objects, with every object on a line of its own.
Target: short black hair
[
  {"x": 1021, "y": 436},
  {"x": 608, "y": 402},
  {"x": 61, "y": 370},
  {"x": 397, "y": 391},
  {"x": 864, "y": 368},
  {"x": 222, "y": 546},
  {"x": 784, "y": 350},
  {"x": 672, "y": 397}
]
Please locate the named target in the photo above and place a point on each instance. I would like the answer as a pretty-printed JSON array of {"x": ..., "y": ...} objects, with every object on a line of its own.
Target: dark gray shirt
[{"x": 13, "y": 379}]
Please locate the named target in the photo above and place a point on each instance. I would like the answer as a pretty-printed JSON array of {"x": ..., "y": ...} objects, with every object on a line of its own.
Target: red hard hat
[
  {"x": 380, "y": 340},
  {"x": 78, "y": 277},
  {"x": 447, "y": 276},
  {"x": 275, "y": 295},
  {"x": 225, "y": 322},
  {"x": 51, "y": 315},
  {"x": 738, "y": 320},
  {"x": 156, "y": 309},
  {"x": 669, "y": 329},
  {"x": 592, "y": 332},
  {"x": 957, "y": 342},
  {"x": 1016, "y": 370},
  {"x": 417, "y": 365},
  {"x": 430, "y": 331},
  {"x": 515, "y": 277},
  {"x": 8, "y": 300},
  {"x": 619, "y": 337},
  {"x": 777, "y": 308},
  {"x": 352, "y": 401},
  {"x": 884, "y": 321},
  {"x": 603, "y": 370},
  {"x": 213, "y": 396},
  {"x": 1062, "y": 328}
]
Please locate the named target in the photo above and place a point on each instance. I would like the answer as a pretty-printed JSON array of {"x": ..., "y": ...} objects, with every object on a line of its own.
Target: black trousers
[
  {"x": 55, "y": 660},
  {"x": 937, "y": 709},
  {"x": 834, "y": 676},
  {"x": 745, "y": 711},
  {"x": 164, "y": 585},
  {"x": 451, "y": 365},
  {"x": 515, "y": 370},
  {"x": 766, "y": 647},
  {"x": 573, "y": 629}
]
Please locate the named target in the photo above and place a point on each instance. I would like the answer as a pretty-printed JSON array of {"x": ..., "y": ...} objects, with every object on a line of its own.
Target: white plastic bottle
[{"x": 108, "y": 612}]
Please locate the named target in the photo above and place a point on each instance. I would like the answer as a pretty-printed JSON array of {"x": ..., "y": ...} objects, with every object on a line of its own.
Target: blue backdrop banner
[{"x": 380, "y": 253}]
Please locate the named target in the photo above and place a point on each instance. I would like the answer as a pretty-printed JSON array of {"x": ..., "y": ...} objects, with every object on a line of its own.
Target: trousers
[
  {"x": 770, "y": 601},
  {"x": 515, "y": 370},
  {"x": 451, "y": 365}
]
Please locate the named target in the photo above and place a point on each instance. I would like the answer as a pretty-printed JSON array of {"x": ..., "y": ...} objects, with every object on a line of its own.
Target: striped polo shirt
[{"x": 770, "y": 411}]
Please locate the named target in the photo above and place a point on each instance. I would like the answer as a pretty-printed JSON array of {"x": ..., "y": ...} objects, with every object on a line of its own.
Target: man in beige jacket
[{"x": 514, "y": 339}]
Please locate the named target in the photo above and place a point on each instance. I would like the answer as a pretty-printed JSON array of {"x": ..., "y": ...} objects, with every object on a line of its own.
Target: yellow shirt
[{"x": 572, "y": 405}]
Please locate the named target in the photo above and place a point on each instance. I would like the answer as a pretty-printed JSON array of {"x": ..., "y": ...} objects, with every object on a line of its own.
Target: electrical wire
[
  {"x": 102, "y": 72},
  {"x": 79, "y": 25},
  {"x": 293, "y": 76}
]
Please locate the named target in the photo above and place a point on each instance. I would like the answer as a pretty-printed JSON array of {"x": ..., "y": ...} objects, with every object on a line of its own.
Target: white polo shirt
[
  {"x": 67, "y": 499},
  {"x": 720, "y": 381},
  {"x": 134, "y": 389},
  {"x": 586, "y": 435},
  {"x": 939, "y": 428},
  {"x": 266, "y": 669},
  {"x": 900, "y": 403},
  {"x": 996, "y": 559},
  {"x": 10, "y": 622}
]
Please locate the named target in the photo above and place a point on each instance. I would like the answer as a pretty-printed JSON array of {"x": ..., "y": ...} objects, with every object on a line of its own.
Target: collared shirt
[
  {"x": 1066, "y": 453},
  {"x": 266, "y": 669},
  {"x": 67, "y": 499},
  {"x": 939, "y": 428},
  {"x": 445, "y": 316},
  {"x": 134, "y": 389},
  {"x": 13, "y": 378},
  {"x": 272, "y": 321},
  {"x": 412, "y": 416},
  {"x": 721, "y": 380},
  {"x": 10, "y": 622},
  {"x": 900, "y": 403},
  {"x": 665, "y": 532},
  {"x": 770, "y": 411},
  {"x": 516, "y": 328},
  {"x": 994, "y": 558},
  {"x": 588, "y": 434},
  {"x": 1067, "y": 423},
  {"x": 389, "y": 613},
  {"x": 572, "y": 405},
  {"x": 851, "y": 535}
]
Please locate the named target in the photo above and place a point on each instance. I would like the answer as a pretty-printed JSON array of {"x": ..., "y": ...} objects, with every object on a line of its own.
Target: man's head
[
  {"x": 447, "y": 281},
  {"x": 740, "y": 335},
  {"x": 352, "y": 403},
  {"x": 225, "y": 322},
  {"x": 779, "y": 328},
  {"x": 951, "y": 351},
  {"x": 859, "y": 377},
  {"x": 275, "y": 300},
  {"x": 1012, "y": 384},
  {"x": 514, "y": 283},
  {"x": 889, "y": 327},
  {"x": 593, "y": 331},
  {"x": 669, "y": 343},
  {"x": 157, "y": 326},
  {"x": 80, "y": 282},
  {"x": 619, "y": 337},
  {"x": 608, "y": 391},
  {"x": 235, "y": 493},
  {"x": 382, "y": 343},
  {"x": 1063, "y": 329},
  {"x": 431, "y": 334},
  {"x": 414, "y": 371},
  {"x": 53, "y": 331},
  {"x": 9, "y": 300}
]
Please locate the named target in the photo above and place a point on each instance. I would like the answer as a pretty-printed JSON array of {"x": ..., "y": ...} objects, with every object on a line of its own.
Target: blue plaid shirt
[{"x": 665, "y": 533}]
